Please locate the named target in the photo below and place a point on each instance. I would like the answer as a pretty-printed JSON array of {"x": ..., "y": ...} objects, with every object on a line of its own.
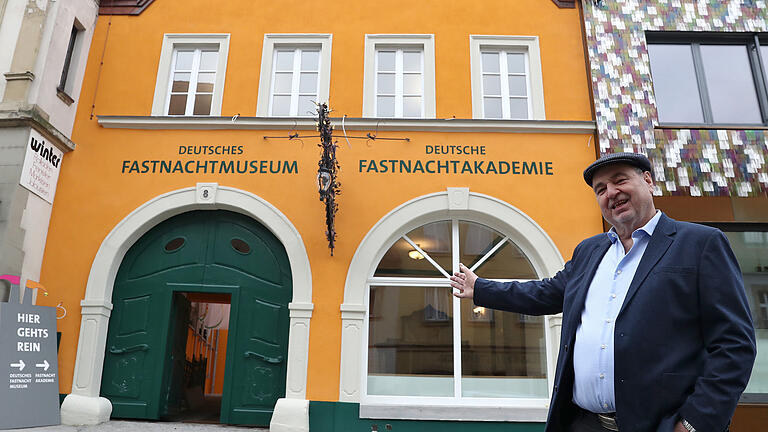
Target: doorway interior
[{"x": 205, "y": 353}]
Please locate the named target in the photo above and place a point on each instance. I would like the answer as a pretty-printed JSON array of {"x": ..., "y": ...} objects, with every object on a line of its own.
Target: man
[{"x": 657, "y": 333}]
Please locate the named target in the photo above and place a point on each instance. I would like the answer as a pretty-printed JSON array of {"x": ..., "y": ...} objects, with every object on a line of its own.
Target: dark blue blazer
[{"x": 684, "y": 339}]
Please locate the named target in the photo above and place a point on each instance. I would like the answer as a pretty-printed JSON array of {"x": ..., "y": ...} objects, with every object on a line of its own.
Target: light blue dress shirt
[{"x": 593, "y": 351}]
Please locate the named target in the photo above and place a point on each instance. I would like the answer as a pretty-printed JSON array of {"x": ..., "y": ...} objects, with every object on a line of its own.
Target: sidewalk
[{"x": 145, "y": 426}]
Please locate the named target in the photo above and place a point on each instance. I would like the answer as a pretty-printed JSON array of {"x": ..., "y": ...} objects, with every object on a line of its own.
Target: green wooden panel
[
  {"x": 258, "y": 347},
  {"x": 173, "y": 391},
  {"x": 342, "y": 416}
]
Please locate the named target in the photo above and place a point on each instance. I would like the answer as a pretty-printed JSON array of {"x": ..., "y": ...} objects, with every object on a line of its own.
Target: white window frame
[
  {"x": 274, "y": 41},
  {"x": 525, "y": 44},
  {"x": 165, "y": 67},
  {"x": 295, "y": 91},
  {"x": 423, "y": 42}
]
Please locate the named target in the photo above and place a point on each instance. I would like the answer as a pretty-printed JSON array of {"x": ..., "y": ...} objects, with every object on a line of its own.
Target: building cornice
[
  {"x": 32, "y": 116},
  {"x": 356, "y": 124}
]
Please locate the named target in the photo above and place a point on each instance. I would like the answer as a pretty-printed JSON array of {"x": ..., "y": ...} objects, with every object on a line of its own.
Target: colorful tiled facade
[{"x": 689, "y": 162}]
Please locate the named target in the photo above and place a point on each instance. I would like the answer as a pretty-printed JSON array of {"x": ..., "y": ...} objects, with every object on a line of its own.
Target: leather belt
[{"x": 608, "y": 421}]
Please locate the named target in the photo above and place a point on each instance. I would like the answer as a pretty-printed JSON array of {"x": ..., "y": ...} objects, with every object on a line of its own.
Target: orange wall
[
  {"x": 132, "y": 50},
  {"x": 93, "y": 195}
]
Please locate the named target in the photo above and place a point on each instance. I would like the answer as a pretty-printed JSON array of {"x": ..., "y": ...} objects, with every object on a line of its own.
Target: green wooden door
[
  {"x": 206, "y": 251},
  {"x": 250, "y": 257},
  {"x": 173, "y": 375}
]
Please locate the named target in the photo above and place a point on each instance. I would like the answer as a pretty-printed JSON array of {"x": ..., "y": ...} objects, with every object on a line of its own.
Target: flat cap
[{"x": 634, "y": 159}]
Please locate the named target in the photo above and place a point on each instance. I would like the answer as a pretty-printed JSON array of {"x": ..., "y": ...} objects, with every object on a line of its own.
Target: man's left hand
[{"x": 679, "y": 427}]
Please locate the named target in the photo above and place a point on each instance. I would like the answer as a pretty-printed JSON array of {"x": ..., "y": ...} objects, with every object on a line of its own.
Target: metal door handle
[
  {"x": 273, "y": 360},
  {"x": 140, "y": 347}
]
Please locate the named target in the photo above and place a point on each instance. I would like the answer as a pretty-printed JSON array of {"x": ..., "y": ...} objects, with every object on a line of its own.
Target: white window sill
[{"x": 494, "y": 413}]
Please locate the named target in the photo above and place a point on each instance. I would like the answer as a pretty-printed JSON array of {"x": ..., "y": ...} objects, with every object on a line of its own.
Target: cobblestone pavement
[{"x": 145, "y": 426}]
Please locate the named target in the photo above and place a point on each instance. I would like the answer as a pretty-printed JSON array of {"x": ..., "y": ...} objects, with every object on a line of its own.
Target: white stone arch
[
  {"x": 453, "y": 203},
  {"x": 84, "y": 405}
]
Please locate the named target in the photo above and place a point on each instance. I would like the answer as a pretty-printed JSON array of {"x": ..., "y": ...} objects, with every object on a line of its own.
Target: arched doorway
[{"x": 214, "y": 252}]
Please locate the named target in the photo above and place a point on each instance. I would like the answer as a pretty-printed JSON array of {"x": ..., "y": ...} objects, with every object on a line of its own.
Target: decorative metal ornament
[{"x": 328, "y": 168}]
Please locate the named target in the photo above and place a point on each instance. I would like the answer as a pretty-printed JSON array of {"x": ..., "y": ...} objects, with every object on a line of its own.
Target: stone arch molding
[
  {"x": 84, "y": 405},
  {"x": 453, "y": 203}
]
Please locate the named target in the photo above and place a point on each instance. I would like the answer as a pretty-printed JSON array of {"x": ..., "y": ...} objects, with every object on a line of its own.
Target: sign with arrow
[{"x": 29, "y": 382}]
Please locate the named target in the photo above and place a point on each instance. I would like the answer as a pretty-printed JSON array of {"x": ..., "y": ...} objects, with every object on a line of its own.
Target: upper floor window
[
  {"x": 506, "y": 77},
  {"x": 295, "y": 74},
  {"x": 294, "y": 82},
  {"x": 707, "y": 79},
  {"x": 190, "y": 77},
  {"x": 399, "y": 78},
  {"x": 65, "y": 89},
  {"x": 193, "y": 77}
]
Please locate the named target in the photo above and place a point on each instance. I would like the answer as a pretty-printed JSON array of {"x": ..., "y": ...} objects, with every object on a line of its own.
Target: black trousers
[{"x": 584, "y": 421}]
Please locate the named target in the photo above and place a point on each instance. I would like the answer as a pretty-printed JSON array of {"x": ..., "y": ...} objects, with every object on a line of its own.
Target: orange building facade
[{"x": 190, "y": 207}]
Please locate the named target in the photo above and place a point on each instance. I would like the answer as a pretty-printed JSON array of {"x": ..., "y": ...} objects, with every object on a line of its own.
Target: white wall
[
  {"x": 53, "y": 51},
  {"x": 9, "y": 34}
]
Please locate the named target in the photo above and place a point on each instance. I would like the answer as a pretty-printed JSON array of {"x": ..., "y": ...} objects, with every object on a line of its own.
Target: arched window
[{"x": 423, "y": 342}]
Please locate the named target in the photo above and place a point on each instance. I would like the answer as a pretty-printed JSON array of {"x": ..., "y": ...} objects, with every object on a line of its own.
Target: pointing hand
[{"x": 464, "y": 282}]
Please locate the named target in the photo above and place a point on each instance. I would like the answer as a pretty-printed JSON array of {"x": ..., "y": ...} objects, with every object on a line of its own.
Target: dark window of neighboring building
[
  {"x": 66, "y": 85},
  {"x": 708, "y": 79},
  {"x": 750, "y": 245}
]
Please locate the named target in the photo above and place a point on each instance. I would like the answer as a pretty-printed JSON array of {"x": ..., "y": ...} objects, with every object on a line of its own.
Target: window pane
[
  {"x": 730, "y": 84},
  {"x": 184, "y": 60},
  {"x": 310, "y": 60},
  {"x": 518, "y": 85},
  {"x": 386, "y": 83},
  {"x": 284, "y": 61},
  {"x": 516, "y": 62},
  {"x": 180, "y": 82},
  {"x": 518, "y": 108},
  {"x": 410, "y": 343},
  {"x": 205, "y": 81},
  {"x": 435, "y": 239},
  {"x": 503, "y": 354},
  {"x": 674, "y": 84},
  {"x": 412, "y": 106},
  {"x": 492, "y": 107},
  {"x": 402, "y": 260},
  {"x": 412, "y": 84},
  {"x": 491, "y": 85},
  {"x": 751, "y": 250},
  {"x": 412, "y": 61},
  {"x": 385, "y": 106},
  {"x": 209, "y": 60},
  {"x": 386, "y": 61},
  {"x": 475, "y": 241},
  {"x": 507, "y": 262},
  {"x": 202, "y": 104},
  {"x": 307, "y": 105},
  {"x": 764, "y": 55},
  {"x": 281, "y": 105},
  {"x": 178, "y": 104},
  {"x": 308, "y": 82},
  {"x": 283, "y": 82},
  {"x": 490, "y": 62}
]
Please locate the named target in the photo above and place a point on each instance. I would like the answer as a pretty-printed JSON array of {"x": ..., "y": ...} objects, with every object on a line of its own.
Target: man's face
[{"x": 625, "y": 196}]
